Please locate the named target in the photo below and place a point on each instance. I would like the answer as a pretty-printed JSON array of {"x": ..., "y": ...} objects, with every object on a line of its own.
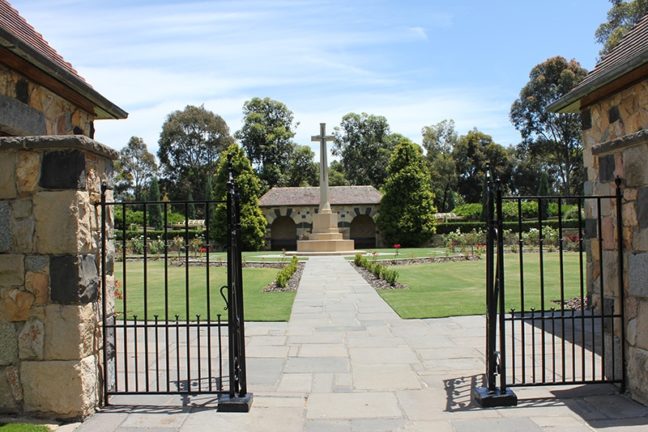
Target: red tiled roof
[
  {"x": 11, "y": 21},
  {"x": 630, "y": 54},
  {"x": 338, "y": 195}
]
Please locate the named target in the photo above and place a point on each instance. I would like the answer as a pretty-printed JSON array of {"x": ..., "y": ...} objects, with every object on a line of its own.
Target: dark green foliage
[
  {"x": 190, "y": 144},
  {"x": 253, "y": 223},
  {"x": 473, "y": 154},
  {"x": 407, "y": 207},
  {"x": 336, "y": 175},
  {"x": 469, "y": 211},
  {"x": 551, "y": 141},
  {"x": 621, "y": 17},
  {"x": 135, "y": 166},
  {"x": 266, "y": 137},
  {"x": 302, "y": 170},
  {"x": 191, "y": 206},
  {"x": 362, "y": 140},
  {"x": 286, "y": 273},
  {"x": 511, "y": 210},
  {"x": 439, "y": 141},
  {"x": 543, "y": 190},
  {"x": 154, "y": 210}
]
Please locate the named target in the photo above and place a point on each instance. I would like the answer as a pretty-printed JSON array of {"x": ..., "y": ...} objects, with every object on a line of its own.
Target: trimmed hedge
[
  {"x": 380, "y": 271},
  {"x": 155, "y": 234},
  {"x": 286, "y": 273},
  {"x": 466, "y": 227}
]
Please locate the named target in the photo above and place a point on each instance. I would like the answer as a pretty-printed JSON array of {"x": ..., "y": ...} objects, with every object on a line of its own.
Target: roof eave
[
  {"x": 104, "y": 109},
  {"x": 570, "y": 102}
]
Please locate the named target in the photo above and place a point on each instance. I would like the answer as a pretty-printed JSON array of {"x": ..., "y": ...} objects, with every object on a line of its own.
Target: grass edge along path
[{"x": 458, "y": 288}]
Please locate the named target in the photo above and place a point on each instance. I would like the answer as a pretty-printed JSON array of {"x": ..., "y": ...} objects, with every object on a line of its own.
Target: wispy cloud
[{"x": 407, "y": 60}]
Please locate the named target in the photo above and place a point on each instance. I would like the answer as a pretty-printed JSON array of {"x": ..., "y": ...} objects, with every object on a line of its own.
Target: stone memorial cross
[{"x": 324, "y": 205}]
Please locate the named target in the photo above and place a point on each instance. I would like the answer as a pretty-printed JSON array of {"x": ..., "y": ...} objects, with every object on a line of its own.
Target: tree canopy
[
  {"x": 473, "y": 154},
  {"x": 266, "y": 136},
  {"x": 621, "y": 17},
  {"x": 253, "y": 223},
  {"x": 135, "y": 167},
  {"x": 190, "y": 143},
  {"x": 552, "y": 138},
  {"x": 302, "y": 170},
  {"x": 439, "y": 141},
  {"x": 362, "y": 141},
  {"x": 407, "y": 207}
]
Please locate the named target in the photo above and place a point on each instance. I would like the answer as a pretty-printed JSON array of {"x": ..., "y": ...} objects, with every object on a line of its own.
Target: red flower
[{"x": 397, "y": 246}]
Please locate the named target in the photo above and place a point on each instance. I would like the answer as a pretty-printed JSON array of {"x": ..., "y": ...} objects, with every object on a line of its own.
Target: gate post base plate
[
  {"x": 487, "y": 399},
  {"x": 235, "y": 404}
]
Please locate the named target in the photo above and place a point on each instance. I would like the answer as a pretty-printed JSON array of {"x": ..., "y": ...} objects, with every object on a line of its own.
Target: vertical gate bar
[
  {"x": 220, "y": 354},
  {"x": 562, "y": 287},
  {"x": 231, "y": 333},
  {"x": 177, "y": 335},
  {"x": 207, "y": 283},
  {"x": 501, "y": 288},
  {"x": 187, "y": 329},
  {"x": 157, "y": 355},
  {"x": 542, "y": 287},
  {"x": 124, "y": 295},
  {"x": 136, "y": 353},
  {"x": 620, "y": 253},
  {"x": 533, "y": 346},
  {"x": 521, "y": 258},
  {"x": 104, "y": 295},
  {"x": 601, "y": 286},
  {"x": 198, "y": 352},
  {"x": 490, "y": 284},
  {"x": 513, "y": 346},
  {"x": 582, "y": 284},
  {"x": 166, "y": 293},
  {"x": 241, "y": 316},
  {"x": 573, "y": 335},
  {"x": 553, "y": 344},
  {"x": 145, "y": 264}
]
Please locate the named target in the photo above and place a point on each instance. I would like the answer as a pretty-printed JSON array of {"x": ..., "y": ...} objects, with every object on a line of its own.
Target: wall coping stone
[
  {"x": 631, "y": 140},
  {"x": 80, "y": 142}
]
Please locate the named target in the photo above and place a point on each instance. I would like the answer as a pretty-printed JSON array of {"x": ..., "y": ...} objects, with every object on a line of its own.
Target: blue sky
[{"x": 415, "y": 62}]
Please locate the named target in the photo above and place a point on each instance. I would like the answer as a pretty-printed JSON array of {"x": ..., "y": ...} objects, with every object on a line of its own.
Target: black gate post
[
  {"x": 491, "y": 395},
  {"x": 238, "y": 399}
]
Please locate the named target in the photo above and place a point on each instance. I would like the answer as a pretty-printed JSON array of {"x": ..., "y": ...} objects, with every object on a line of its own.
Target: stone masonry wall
[
  {"x": 31, "y": 109},
  {"x": 50, "y": 332},
  {"x": 615, "y": 139}
]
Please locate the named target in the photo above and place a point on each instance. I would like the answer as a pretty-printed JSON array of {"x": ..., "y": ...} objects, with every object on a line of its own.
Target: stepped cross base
[{"x": 326, "y": 237}]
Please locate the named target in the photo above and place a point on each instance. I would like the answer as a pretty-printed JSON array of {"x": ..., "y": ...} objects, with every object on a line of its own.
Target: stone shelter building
[
  {"x": 289, "y": 212},
  {"x": 51, "y": 176},
  {"x": 613, "y": 104}
]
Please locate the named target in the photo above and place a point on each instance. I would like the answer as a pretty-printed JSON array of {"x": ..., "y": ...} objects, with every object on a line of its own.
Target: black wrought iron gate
[
  {"x": 165, "y": 291},
  {"x": 547, "y": 322}
]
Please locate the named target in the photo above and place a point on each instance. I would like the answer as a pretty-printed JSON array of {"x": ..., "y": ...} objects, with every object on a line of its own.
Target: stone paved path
[{"x": 346, "y": 362}]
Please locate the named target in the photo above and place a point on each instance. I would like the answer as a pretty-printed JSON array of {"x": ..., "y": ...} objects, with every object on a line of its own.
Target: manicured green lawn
[
  {"x": 259, "y": 305},
  {"x": 23, "y": 427},
  {"x": 458, "y": 288},
  {"x": 391, "y": 253}
]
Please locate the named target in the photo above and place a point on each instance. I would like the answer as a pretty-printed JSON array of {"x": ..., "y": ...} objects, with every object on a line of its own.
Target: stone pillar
[
  {"x": 616, "y": 144},
  {"x": 50, "y": 314}
]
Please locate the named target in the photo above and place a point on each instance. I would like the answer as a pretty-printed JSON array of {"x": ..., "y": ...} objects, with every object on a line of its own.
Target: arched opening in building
[
  {"x": 363, "y": 232},
  {"x": 283, "y": 234}
]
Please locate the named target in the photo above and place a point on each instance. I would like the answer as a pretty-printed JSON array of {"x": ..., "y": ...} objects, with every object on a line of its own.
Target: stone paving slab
[{"x": 346, "y": 362}]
